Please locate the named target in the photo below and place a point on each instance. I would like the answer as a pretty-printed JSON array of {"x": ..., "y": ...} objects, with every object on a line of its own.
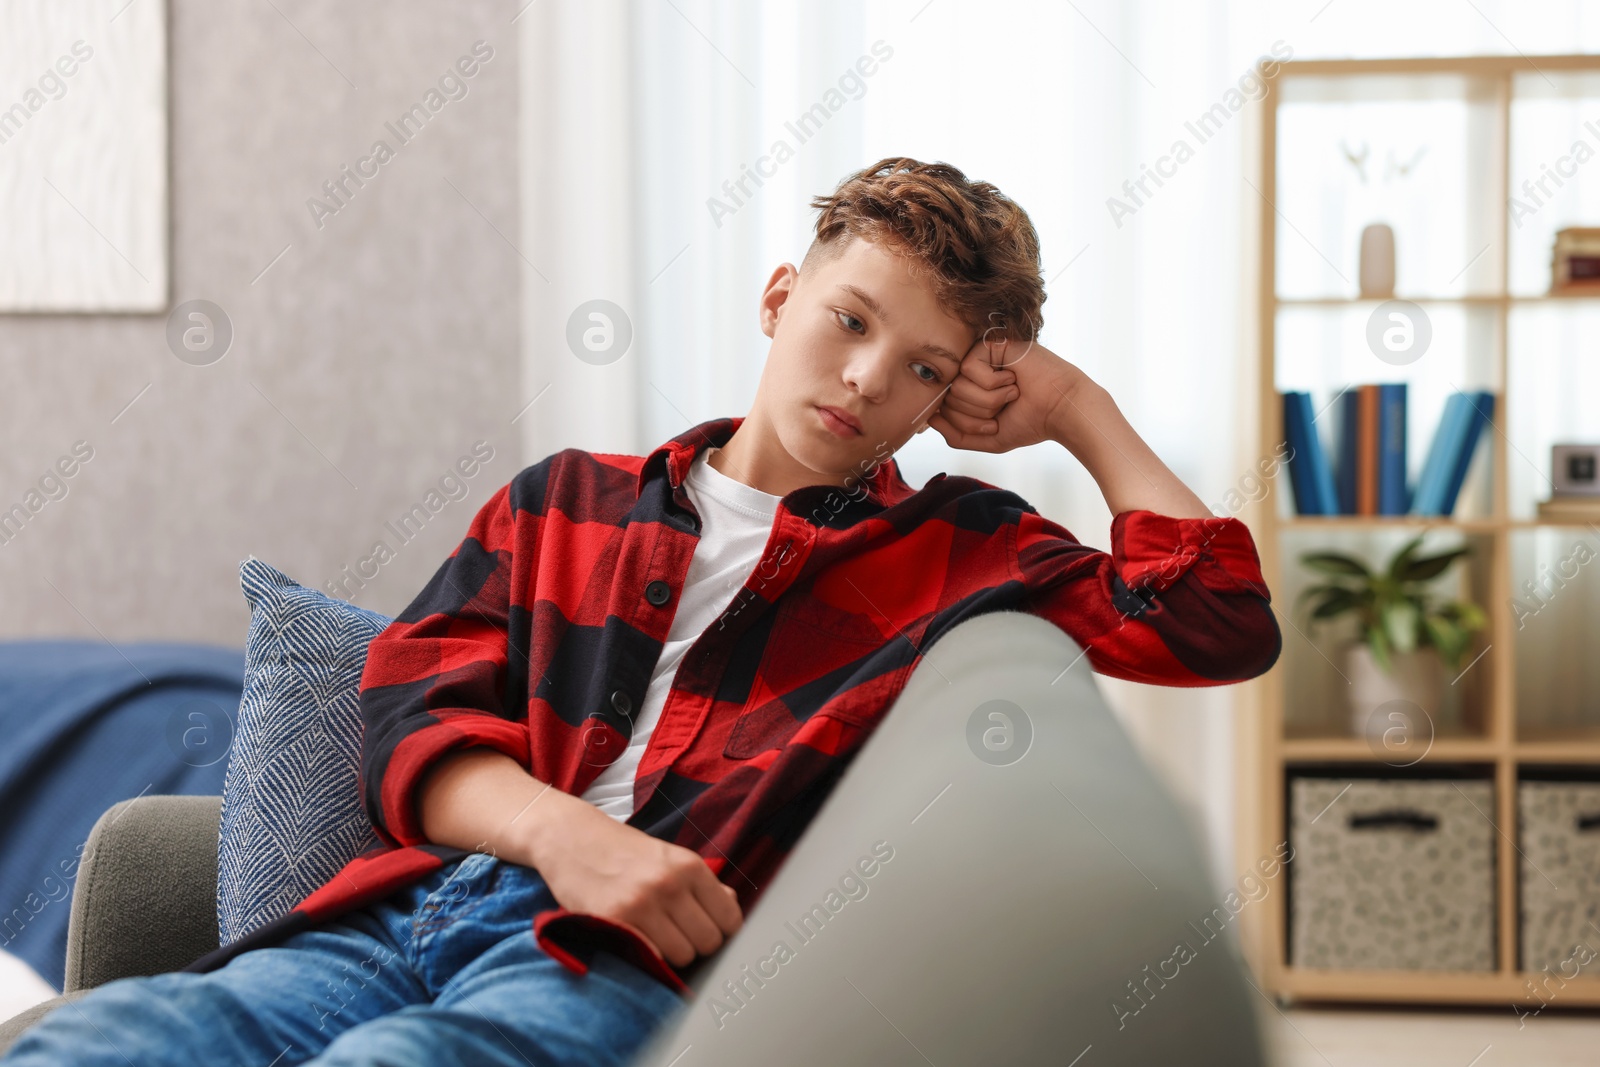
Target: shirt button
[
  {"x": 658, "y": 592},
  {"x": 622, "y": 702}
]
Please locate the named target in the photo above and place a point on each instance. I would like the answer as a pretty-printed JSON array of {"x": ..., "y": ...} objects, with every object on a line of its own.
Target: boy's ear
[{"x": 776, "y": 295}]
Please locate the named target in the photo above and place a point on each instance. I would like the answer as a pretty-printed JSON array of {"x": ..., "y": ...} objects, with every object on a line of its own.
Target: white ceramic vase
[
  {"x": 1417, "y": 682},
  {"x": 1377, "y": 261}
]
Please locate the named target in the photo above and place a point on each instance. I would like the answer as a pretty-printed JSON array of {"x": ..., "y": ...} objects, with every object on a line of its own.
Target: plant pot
[{"x": 1416, "y": 685}]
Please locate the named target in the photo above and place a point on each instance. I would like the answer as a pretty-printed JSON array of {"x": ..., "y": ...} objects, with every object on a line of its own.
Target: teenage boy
[{"x": 592, "y": 739}]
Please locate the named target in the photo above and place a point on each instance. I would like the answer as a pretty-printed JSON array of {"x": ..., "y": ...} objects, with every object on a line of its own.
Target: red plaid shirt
[{"x": 539, "y": 635}]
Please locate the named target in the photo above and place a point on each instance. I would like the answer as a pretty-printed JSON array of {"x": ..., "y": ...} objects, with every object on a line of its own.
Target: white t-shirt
[{"x": 735, "y": 522}]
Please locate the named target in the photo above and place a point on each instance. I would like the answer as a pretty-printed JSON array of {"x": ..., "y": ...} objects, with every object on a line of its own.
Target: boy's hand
[
  {"x": 1008, "y": 394},
  {"x": 595, "y": 864}
]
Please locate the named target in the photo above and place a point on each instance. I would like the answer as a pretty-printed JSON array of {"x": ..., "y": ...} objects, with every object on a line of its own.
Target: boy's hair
[{"x": 977, "y": 247}]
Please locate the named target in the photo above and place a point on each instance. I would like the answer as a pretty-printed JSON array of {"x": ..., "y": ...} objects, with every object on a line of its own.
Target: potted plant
[{"x": 1407, "y": 637}]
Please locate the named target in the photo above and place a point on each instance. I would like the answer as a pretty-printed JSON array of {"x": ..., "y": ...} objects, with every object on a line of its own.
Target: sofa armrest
[{"x": 145, "y": 901}]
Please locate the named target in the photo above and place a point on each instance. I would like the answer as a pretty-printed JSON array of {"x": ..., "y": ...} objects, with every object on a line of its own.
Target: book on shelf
[
  {"x": 1393, "y": 496},
  {"x": 1310, "y": 476},
  {"x": 1370, "y": 456},
  {"x": 1365, "y": 472},
  {"x": 1450, "y": 456},
  {"x": 1362, "y": 451}
]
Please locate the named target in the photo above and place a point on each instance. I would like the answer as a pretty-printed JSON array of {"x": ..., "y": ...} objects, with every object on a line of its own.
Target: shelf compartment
[
  {"x": 1445, "y": 209},
  {"x": 1552, "y": 112},
  {"x": 1554, "y": 607},
  {"x": 1325, "y": 349},
  {"x": 1313, "y": 666},
  {"x": 1553, "y": 362}
]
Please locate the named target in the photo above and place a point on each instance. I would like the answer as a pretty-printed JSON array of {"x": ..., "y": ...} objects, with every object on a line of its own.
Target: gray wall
[{"x": 365, "y": 362}]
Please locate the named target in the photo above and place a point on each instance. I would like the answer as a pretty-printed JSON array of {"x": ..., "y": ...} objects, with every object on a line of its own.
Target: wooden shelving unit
[{"x": 1503, "y": 725}]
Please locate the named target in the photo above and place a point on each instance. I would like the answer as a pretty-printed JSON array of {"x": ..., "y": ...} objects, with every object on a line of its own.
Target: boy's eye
[{"x": 852, "y": 322}]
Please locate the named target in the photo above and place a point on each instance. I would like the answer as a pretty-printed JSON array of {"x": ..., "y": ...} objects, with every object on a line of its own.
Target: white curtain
[{"x": 636, "y": 114}]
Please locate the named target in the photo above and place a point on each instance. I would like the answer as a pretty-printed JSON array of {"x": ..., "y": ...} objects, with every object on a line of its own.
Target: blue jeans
[{"x": 445, "y": 971}]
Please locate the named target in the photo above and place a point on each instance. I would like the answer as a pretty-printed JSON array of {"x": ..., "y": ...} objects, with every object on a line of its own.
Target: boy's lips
[{"x": 841, "y": 415}]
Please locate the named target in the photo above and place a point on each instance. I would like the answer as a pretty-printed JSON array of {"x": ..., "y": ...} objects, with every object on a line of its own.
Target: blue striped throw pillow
[{"x": 291, "y": 799}]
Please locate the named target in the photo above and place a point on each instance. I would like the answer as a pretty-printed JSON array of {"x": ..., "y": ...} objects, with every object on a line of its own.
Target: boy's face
[{"x": 857, "y": 332}]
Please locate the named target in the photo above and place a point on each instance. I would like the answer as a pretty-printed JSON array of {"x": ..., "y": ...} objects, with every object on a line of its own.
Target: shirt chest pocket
[{"x": 819, "y": 662}]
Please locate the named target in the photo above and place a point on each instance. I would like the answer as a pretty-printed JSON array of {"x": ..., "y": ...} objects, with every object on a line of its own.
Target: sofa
[{"x": 1031, "y": 879}]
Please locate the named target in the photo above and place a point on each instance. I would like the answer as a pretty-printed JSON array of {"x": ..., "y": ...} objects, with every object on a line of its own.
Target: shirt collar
[{"x": 884, "y": 484}]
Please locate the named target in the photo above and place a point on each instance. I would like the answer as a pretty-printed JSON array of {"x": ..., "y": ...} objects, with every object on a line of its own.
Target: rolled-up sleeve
[{"x": 1177, "y": 601}]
